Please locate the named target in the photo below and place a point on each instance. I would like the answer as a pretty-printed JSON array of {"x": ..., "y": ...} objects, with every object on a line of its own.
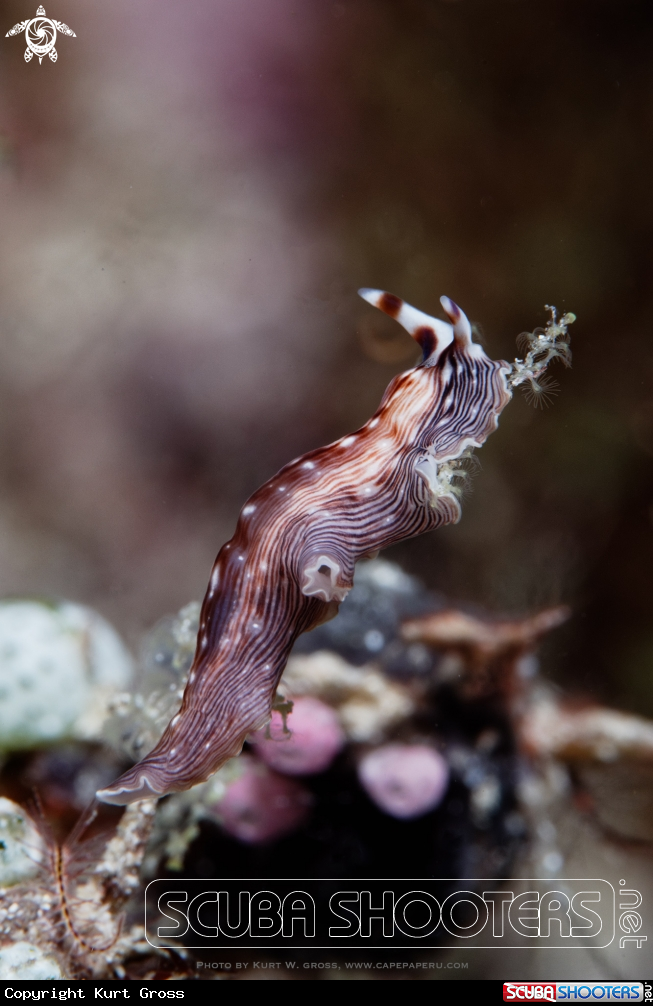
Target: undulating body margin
[{"x": 291, "y": 560}]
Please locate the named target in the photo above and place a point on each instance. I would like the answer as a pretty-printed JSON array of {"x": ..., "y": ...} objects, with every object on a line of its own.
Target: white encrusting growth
[
  {"x": 542, "y": 347},
  {"x": 445, "y": 478}
]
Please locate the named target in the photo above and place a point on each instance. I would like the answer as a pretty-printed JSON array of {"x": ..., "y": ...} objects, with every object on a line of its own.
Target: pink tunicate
[
  {"x": 314, "y": 740},
  {"x": 260, "y": 805},
  {"x": 404, "y": 780}
]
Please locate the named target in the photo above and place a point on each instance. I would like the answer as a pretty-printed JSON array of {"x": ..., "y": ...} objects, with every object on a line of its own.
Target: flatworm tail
[{"x": 291, "y": 561}]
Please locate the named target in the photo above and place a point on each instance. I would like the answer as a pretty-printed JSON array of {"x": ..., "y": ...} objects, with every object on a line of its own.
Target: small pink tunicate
[
  {"x": 315, "y": 738},
  {"x": 260, "y": 805},
  {"x": 404, "y": 780}
]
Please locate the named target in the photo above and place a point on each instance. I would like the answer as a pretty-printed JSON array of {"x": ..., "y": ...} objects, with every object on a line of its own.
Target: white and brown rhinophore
[
  {"x": 40, "y": 35},
  {"x": 291, "y": 561}
]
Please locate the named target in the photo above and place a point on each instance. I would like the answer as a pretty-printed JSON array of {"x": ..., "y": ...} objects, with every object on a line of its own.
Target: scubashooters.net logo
[
  {"x": 40, "y": 35},
  {"x": 380, "y": 913}
]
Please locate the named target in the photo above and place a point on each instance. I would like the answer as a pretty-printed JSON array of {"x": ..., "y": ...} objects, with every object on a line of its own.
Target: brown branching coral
[{"x": 488, "y": 652}]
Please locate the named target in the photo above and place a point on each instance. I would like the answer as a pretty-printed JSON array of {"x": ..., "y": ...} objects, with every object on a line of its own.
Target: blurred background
[{"x": 190, "y": 198}]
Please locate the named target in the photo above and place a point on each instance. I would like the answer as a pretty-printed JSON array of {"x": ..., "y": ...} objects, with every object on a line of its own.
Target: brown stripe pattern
[{"x": 291, "y": 561}]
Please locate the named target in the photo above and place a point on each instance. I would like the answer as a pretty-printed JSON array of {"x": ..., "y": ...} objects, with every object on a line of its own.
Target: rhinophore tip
[
  {"x": 432, "y": 334},
  {"x": 459, "y": 320},
  {"x": 371, "y": 296}
]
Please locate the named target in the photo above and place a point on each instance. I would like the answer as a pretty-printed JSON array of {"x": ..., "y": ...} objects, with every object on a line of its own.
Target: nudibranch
[{"x": 291, "y": 560}]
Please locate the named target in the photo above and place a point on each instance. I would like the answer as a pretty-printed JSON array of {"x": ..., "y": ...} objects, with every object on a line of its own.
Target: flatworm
[{"x": 291, "y": 561}]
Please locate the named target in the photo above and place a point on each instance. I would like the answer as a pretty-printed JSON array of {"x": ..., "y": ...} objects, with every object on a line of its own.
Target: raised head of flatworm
[{"x": 291, "y": 561}]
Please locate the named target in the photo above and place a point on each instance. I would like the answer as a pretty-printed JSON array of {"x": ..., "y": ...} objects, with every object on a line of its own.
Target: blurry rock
[
  {"x": 610, "y": 756},
  {"x": 621, "y": 795},
  {"x": 367, "y": 702},
  {"x": 23, "y": 961},
  {"x": 368, "y": 622},
  {"x": 404, "y": 780},
  {"x": 543, "y": 794},
  {"x": 260, "y": 805},
  {"x": 492, "y": 655},
  {"x": 307, "y": 742},
  {"x": 485, "y": 799},
  {"x": 59, "y": 664},
  {"x": 21, "y": 846},
  {"x": 548, "y": 729}
]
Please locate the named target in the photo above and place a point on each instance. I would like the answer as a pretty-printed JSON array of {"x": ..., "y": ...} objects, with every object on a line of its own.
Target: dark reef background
[{"x": 189, "y": 199}]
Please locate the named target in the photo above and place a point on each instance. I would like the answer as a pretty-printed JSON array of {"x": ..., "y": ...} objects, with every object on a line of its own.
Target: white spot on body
[
  {"x": 369, "y": 489},
  {"x": 372, "y": 423},
  {"x": 347, "y": 441},
  {"x": 250, "y": 508},
  {"x": 308, "y": 464}
]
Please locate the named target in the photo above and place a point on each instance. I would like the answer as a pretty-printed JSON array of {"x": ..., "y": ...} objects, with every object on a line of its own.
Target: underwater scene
[{"x": 326, "y": 492}]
